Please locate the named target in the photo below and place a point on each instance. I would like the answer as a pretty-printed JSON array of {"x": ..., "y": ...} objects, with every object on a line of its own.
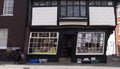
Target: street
[{"x": 113, "y": 63}]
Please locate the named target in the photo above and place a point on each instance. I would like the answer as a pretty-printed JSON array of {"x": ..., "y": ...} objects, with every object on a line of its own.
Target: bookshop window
[
  {"x": 43, "y": 43},
  {"x": 90, "y": 43}
]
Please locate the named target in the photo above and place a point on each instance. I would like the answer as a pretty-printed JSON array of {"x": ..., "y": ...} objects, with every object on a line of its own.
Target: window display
[
  {"x": 90, "y": 43},
  {"x": 43, "y": 42}
]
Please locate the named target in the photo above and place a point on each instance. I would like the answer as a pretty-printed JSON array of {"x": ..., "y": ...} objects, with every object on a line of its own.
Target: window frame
[
  {"x": 92, "y": 41},
  {"x": 8, "y": 7},
  {"x": 51, "y": 3},
  {"x": 118, "y": 11},
  {"x": 118, "y": 28},
  {"x": 73, "y": 5},
  {"x": 101, "y": 3},
  {"x": 4, "y": 38},
  {"x": 43, "y": 38}
]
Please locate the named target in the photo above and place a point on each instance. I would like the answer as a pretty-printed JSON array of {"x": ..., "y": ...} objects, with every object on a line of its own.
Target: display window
[
  {"x": 90, "y": 43},
  {"x": 43, "y": 43}
]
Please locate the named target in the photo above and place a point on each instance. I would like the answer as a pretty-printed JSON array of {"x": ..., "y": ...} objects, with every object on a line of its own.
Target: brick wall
[{"x": 27, "y": 33}]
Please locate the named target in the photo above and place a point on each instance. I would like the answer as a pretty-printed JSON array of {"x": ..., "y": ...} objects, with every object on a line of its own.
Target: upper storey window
[
  {"x": 8, "y": 7},
  {"x": 73, "y": 8},
  {"x": 101, "y": 2},
  {"x": 118, "y": 11},
  {"x": 44, "y": 3}
]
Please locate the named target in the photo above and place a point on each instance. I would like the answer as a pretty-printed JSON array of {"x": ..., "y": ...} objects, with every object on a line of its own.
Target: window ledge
[
  {"x": 73, "y": 19},
  {"x": 7, "y": 15}
]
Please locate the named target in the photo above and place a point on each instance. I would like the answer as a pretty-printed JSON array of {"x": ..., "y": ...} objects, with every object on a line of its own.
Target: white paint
[
  {"x": 44, "y": 16},
  {"x": 73, "y": 23},
  {"x": 111, "y": 45},
  {"x": 102, "y": 16}
]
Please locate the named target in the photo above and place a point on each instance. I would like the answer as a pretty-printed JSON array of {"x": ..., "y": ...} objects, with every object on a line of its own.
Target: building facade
[
  {"x": 56, "y": 30},
  {"x": 73, "y": 29},
  {"x": 117, "y": 30},
  {"x": 12, "y": 25}
]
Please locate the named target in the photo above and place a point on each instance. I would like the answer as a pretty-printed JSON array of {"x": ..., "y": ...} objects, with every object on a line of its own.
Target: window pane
[
  {"x": 83, "y": 11},
  {"x": 98, "y": 2},
  {"x": 63, "y": 2},
  {"x": 69, "y": 2},
  {"x": 69, "y": 10},
  {"x": 48, "y": 3},
  {"x": 118, "y": 29},
  {"x": 91, "y": 43},
  {"x": 3, "y": 38},
  {"x": 118, "y": 11},
  {"x": 36, "y": 3},
  {"x": 44, "y": 44},
  {"x": 63, "y": 11},
  {"x": 54, "y": 2},
  {"x": 76, "y": 2},
  {"x": 8, "y": 7},
  {"x": 104, "y": 2},
  {"x": 34, "y": 34},
  {"x": 42, "y": 3},
  {"x": 76, "y": 11},
  {"x": 110, "y": 3},
  {"x": 91, "y": 2},
  {"x": 82, "y": 2}
]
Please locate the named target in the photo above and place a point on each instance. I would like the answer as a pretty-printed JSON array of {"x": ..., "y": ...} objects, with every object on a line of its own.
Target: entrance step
[{"x": 65, "y": 60}]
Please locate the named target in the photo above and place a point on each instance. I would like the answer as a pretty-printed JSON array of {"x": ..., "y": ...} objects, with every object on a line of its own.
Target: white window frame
[
  {"x": 118, "y": 28},
  {"x": 8, "y": 8},
  {"x": 118, "y": 11},
  {"x": 38, "y": 37},
  {"x": 89, "y": 53},
  {"x": 3, "y": 38}
]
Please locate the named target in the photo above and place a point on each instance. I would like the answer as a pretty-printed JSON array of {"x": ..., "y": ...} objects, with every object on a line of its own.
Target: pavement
[{"x": 113, "y": 62}]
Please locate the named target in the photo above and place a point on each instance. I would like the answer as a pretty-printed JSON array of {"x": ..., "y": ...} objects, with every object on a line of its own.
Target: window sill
[
  {"x": 7, "y": 15},
  {"x": 73, "y": 19}
]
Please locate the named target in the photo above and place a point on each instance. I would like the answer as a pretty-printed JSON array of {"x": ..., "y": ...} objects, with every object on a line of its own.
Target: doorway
[{"x": 66, "y": 48}]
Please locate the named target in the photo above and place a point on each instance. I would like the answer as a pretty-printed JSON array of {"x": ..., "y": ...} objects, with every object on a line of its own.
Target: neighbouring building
[
  {"x": 117, "y": 29},
  {"x": 74, "y": 30},
  {"x": 12, "y": 25}
]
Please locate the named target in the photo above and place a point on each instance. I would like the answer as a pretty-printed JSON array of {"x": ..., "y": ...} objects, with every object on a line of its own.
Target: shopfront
[
  {"x": 69, "y": 44},
  {"x": 74, "y": 30}
]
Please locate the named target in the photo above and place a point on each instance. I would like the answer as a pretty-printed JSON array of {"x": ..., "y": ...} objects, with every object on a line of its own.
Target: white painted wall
[
  {"x": 111, "y": 44},
  {"x": 44, "y": 16},
  {"x": 102, "y": 16}
]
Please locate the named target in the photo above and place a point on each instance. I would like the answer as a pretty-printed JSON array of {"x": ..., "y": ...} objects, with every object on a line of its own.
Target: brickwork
[
  {"x": 117, "y": 37},
  {"x": 27, "y": 33}
]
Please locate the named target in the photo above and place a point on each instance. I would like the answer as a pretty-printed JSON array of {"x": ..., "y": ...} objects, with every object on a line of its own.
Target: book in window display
[
  {"x": 83, "y": 42},
  {"x": 88, "y": 37}
]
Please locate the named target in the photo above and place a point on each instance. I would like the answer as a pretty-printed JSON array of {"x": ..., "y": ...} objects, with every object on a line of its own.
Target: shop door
[{"x": 66, "y": 47}]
